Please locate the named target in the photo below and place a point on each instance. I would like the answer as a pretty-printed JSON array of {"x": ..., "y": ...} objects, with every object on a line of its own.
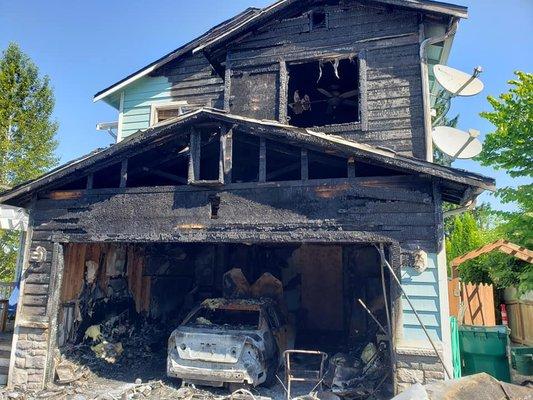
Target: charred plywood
[{"x": 255, "y": 94}]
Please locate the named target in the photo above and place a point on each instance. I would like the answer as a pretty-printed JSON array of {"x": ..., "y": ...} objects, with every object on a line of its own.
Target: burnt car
[{"x": 233, "y": 342}]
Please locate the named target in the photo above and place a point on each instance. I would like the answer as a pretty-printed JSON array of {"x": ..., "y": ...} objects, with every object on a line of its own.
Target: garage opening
[{"x": 123, "y": 306}]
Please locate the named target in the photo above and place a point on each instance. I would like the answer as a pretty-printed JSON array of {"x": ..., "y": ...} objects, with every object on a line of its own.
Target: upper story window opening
[
  {"x": 318, "y": 19},
  {"x": 323, "y": 92}
]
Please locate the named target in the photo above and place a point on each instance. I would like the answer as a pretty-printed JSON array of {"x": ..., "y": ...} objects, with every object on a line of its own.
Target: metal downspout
[{"x": 452, "y": 29}]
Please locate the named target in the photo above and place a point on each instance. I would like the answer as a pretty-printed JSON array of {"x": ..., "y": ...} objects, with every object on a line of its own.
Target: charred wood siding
[
  {"x": 393, "y": 113},
  {"x": 192, "y": 79}
]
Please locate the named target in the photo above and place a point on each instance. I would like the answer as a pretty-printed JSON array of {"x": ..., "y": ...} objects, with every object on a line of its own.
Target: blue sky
[{"x": 86, "y": 46}]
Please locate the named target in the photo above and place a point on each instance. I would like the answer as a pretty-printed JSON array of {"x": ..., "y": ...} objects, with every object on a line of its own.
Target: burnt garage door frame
[{"x": 333, "y": 238}]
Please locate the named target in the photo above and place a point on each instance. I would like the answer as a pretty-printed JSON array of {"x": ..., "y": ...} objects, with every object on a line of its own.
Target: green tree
[
  {"x": 27, "y": 133},
  {"x": 509, "y": 147}
]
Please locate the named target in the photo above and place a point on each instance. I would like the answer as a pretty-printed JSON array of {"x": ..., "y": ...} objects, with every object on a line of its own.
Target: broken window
[
  {"x": 326, "y": 166},
  {"x": 245, "y": 158},
  {"x": 283, "y": 162},
  {"x": 323, "y": 92}
]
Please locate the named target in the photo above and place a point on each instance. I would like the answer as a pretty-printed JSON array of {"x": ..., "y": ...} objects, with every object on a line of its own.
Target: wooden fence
[
  {"x": 520, "y": 314},
  {"x": 478, "y": 303}
]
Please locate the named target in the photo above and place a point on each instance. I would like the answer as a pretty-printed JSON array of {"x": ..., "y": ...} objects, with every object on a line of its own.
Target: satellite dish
[
  {"x": 457, "y": 143},
  {"x": 458, "y": 83}
]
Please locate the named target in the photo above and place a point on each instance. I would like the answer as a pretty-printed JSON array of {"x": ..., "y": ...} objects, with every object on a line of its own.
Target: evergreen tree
[{"x": 27, "y": 133}]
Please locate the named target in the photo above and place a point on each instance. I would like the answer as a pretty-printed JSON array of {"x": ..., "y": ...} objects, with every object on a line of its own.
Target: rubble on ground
[{"x": 479, "y": 386}]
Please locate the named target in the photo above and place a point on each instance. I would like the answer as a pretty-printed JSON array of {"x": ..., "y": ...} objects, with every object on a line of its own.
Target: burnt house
[{"x": 291, "y": 140}]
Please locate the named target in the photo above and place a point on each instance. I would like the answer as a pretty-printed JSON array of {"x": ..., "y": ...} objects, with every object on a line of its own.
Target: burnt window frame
[{"x": 361, "y": 123}]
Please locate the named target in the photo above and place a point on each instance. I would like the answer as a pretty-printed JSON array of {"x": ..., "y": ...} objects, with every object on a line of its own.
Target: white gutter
[{"x": 425, "y": 83}]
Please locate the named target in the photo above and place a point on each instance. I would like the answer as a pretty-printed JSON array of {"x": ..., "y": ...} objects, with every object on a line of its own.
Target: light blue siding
[
  {"x": 138, "y": 98},
  {"x": 423, "y": 290}
]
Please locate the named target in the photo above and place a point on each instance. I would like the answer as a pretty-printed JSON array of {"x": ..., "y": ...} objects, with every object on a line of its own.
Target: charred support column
[
  {"x": 194, "y": 156},
  {"x": 226, "y": 154},
  {"x": 262, "y": 159},
  {"x": 90, "y": 181},
  {"x": 124, "y": 173},
  {"x": 351, "y": 167},
  {"x": 305, "y": 165}
]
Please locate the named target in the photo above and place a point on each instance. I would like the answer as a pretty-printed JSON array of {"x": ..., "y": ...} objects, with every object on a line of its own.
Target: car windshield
[{"x": 223, "y": 317}]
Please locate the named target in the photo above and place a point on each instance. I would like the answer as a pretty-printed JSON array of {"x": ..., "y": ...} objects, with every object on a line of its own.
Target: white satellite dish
[
  {"x": 458, "y": 83},
  {"x": 457, "y": 143}
]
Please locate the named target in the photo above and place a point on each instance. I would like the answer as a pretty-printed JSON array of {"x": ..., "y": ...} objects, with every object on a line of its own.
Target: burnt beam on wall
[
  {"x": 351, "y": 167},
  {"x": 194, "y": 159},
  {"x": 226, "y": 154},
  {"x": 262, "y": 159},
  {"x": 124, "y": 173},
  {"x": 90, "y": 180},
  {"x": 304, "y": 164}
]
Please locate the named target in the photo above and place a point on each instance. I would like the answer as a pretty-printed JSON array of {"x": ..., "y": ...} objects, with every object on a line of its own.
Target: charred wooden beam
[
  {"x": 194, "y": 159},
  {"x": 163, "y": 174},
  {"x": 262, "y": 159},
  {"x": 90, "y": 181},
  {"x": 304, "y": 161},
  {"x": 226, "y": 154},
  {"x": 351, "y": 167},
  {"x": 284, "y": 170},
  {"x": 124, "y": 173}
]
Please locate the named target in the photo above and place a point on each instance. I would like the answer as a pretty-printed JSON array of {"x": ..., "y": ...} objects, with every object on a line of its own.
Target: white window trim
[{"x": 156, "y": 107}]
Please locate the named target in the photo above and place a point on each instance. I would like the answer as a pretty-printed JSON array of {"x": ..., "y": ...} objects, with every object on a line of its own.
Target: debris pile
[{"x": 358, "y": 373}]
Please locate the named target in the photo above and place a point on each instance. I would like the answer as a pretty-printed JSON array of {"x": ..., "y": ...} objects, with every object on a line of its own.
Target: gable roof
[
  {"x": 458, "y": 186},
  {"x": 252, "y": 17}
]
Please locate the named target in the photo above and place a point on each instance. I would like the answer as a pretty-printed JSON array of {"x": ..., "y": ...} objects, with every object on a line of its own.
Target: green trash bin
[
  {"x": 522, "y": 360},
  {"x": 484, "y": 349}
]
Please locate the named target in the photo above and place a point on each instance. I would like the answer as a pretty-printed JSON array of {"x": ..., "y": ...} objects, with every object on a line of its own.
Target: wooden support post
[
  {"x": 226, "y": 155},
  {"x": 262, "y": 159},
  {"x": 283, "y": 92},
  {"x": 351, "y": 167},
  {"x": 305, "y": 165},
  {"x": 194, "y": 156},
  {"x": 124, "y": 173},
  {"x": 363, "y": 91},
  {"x": 90, "y": 181}
]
